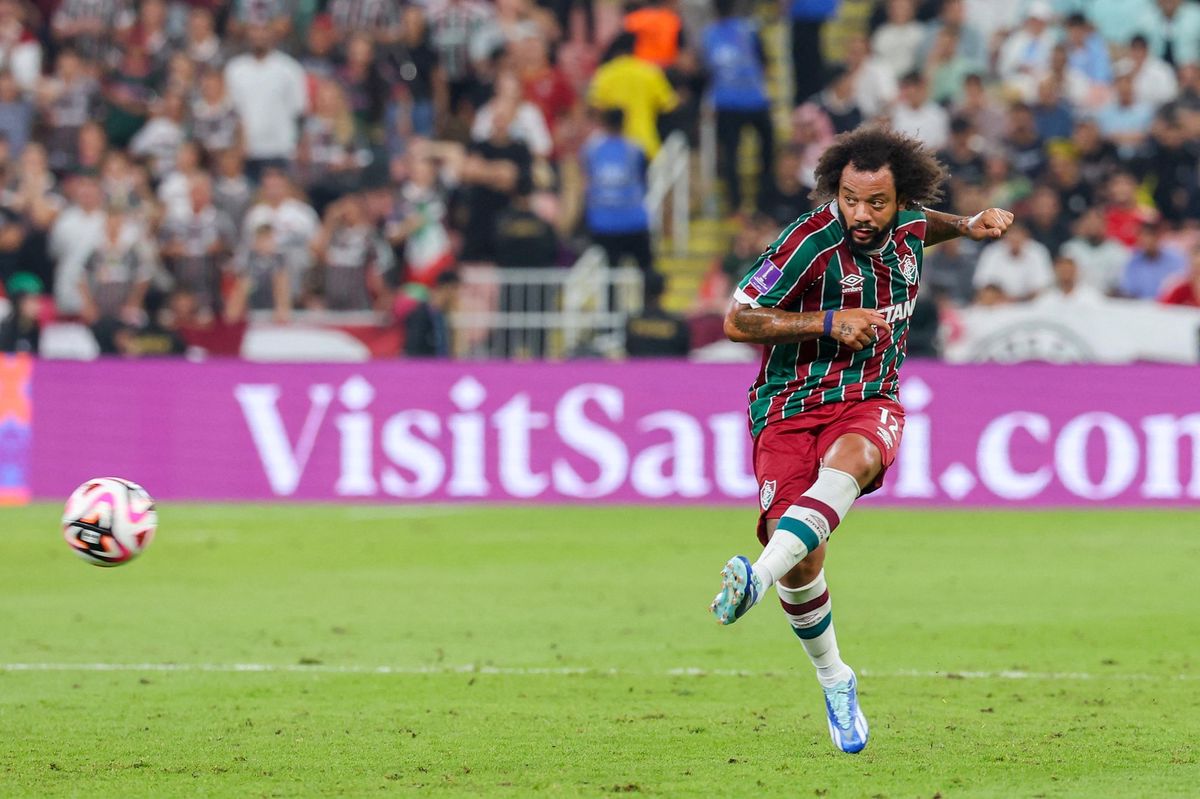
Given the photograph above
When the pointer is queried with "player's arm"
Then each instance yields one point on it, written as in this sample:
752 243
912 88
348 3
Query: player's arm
989 224
855 328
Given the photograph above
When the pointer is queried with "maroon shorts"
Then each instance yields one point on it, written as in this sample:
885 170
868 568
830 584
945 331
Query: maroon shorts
788 453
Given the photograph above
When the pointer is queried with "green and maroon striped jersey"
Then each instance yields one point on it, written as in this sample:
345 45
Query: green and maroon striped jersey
811 267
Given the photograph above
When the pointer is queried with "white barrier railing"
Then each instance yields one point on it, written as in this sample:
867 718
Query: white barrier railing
670 175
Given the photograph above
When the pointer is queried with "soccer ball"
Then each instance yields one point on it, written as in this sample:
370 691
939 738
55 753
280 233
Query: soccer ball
109 521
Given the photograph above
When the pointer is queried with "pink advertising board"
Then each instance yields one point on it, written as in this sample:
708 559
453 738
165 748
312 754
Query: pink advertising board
592 432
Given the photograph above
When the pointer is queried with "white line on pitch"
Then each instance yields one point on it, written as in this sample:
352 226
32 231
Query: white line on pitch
323 668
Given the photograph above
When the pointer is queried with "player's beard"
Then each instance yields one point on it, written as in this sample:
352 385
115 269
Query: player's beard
875 243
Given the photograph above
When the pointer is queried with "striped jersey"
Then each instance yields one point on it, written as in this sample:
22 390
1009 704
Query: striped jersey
811 267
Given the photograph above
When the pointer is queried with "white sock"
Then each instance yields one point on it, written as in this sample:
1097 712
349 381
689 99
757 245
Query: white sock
807 524
810 613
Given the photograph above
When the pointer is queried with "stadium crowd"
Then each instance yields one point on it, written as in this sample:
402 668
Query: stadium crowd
171 168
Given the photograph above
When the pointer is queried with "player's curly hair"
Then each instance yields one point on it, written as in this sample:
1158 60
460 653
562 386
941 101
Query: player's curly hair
917 172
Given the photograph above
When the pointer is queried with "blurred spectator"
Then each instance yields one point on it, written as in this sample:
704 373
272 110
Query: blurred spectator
1154 82
656 333
214 120
196 245
898 40
272 17
986 116
1052 116
128 90
545 85
1023 145
1065 177
875 87
454 25
1124 121
1152 264
350 260
412 70
615 213
1100 259
1068 286
812 134
953 17
1173 29
839 102
961 155
332 151
319 56
20 50
1123 216
126 188
1117 20
786 198
87 25
636 87
808 17
76 232
1019 267
232 190
31 192
418 225
1027 51
379 19
160 138
363 81
733 56
427 330
1085 50
1097 157
268 90
67 100
294 221
1186 289
495 171
262 278
923 329
658 32
114 281
1045 219
1171 163
523 239
950 270
201 43
16 114
918 116
527 125
946 68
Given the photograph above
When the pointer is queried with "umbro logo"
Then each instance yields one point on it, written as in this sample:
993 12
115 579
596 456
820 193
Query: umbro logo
852 284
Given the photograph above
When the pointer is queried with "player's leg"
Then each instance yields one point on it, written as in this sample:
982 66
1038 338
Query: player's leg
851 464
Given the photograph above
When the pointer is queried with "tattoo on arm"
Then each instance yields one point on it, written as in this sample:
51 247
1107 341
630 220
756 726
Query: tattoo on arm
941 227
771 325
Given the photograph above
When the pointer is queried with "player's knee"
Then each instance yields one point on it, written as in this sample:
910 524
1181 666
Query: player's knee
857 456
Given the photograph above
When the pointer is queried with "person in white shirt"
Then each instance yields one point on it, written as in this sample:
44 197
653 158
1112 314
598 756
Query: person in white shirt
528 123
1100 259
897 41
1017 266
918 116
1154 81
1068 287
270 93
874 84
76 232
1028 49
293 221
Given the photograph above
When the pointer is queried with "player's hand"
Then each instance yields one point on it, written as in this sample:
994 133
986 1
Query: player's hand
989 224
858 327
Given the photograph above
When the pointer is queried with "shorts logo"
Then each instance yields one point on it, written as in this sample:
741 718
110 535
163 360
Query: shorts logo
886 435
908 267
852 284
765 277
767 494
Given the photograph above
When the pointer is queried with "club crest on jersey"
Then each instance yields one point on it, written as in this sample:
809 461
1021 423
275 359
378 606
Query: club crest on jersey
767 494
908 267
852 284
764 278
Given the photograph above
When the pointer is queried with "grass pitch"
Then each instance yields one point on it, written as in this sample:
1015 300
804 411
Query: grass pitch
519 652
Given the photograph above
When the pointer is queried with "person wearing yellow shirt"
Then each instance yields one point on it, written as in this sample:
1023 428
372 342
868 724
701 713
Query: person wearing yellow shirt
638 88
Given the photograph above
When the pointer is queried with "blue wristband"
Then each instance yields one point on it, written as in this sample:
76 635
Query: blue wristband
828 322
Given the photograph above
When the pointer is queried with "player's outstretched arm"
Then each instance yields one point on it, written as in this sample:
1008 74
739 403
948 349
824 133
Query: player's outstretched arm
855 328
985 225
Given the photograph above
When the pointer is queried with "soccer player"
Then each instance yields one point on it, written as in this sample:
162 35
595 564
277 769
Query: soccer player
829 301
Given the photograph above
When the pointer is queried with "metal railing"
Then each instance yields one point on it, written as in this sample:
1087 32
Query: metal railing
547 312
669 175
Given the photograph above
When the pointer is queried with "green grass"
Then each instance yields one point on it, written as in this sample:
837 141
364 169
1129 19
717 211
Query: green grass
923 603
